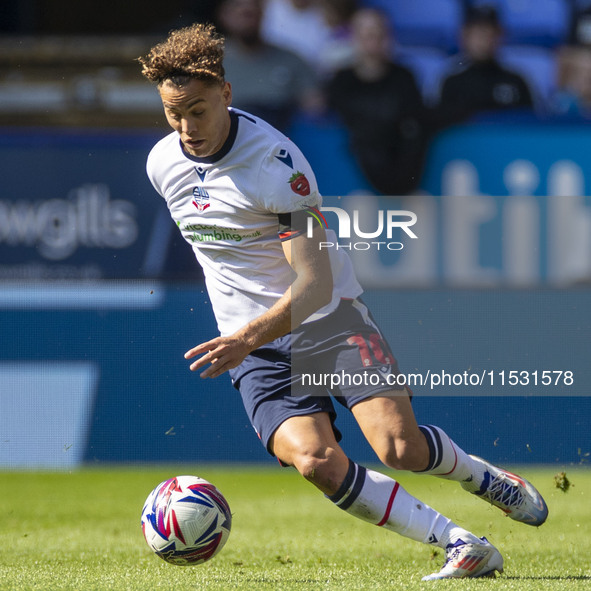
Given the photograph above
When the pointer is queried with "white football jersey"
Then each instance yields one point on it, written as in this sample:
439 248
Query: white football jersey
227 205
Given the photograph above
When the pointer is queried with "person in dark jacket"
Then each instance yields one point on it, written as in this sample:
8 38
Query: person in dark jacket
480 82
381 106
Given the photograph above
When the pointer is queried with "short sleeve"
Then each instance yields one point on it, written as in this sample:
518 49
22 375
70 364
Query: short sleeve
150 170
157 162
286 181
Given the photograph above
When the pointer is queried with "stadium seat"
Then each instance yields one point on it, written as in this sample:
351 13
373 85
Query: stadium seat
428 64
537 22
432 23
537 65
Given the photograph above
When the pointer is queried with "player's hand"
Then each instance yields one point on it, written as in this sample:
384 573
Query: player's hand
223 353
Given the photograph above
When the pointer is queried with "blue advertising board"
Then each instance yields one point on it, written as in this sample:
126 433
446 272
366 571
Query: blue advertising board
511 158
540 219
467 240
494 274
106 381
502 206
78 205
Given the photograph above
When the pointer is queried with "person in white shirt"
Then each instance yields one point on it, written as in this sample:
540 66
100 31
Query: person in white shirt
297 25
243 195
269 80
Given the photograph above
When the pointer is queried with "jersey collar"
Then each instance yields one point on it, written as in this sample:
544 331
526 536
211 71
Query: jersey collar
226 147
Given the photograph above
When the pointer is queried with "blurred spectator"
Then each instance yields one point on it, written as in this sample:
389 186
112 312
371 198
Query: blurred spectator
481 84
338 50
573 97
296 25
381 106
581 26
267 81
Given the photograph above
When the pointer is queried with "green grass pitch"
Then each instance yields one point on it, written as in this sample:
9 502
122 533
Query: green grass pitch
80 531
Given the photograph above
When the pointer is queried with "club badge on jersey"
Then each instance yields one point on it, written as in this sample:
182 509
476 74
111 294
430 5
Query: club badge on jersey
200 198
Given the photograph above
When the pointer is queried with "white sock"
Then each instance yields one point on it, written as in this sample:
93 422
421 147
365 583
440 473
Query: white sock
377 498
446 459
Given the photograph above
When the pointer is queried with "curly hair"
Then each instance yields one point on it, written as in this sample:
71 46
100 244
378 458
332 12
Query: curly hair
195 52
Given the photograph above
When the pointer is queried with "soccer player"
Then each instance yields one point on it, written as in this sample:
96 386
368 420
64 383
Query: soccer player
242 194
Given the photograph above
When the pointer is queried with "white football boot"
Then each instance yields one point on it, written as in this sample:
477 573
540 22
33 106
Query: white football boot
474 559
512 494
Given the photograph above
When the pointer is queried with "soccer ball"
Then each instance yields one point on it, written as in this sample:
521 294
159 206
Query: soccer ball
186 520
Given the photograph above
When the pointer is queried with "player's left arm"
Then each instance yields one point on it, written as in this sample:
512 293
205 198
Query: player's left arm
310 291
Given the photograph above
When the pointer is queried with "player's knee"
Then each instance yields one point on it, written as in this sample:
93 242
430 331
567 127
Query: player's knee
317 467
311 465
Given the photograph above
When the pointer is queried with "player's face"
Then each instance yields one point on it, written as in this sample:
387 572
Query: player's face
198 112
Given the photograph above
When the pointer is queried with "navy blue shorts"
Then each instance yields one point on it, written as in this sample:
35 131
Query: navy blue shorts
342 356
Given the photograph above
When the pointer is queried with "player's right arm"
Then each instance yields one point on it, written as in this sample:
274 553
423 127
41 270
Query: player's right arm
313 286
310 291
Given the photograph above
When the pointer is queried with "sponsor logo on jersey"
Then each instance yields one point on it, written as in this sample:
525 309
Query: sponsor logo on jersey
200 198
299 183
212 233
